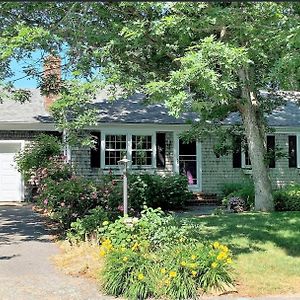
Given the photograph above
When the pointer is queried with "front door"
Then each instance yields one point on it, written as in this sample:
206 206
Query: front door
189 164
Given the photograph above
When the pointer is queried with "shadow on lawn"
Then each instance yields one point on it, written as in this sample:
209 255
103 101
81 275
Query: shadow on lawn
280 228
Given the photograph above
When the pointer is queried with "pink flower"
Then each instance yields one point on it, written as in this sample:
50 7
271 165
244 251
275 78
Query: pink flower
62 204
46 201
121 207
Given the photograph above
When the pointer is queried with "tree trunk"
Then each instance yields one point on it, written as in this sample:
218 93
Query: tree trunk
255 134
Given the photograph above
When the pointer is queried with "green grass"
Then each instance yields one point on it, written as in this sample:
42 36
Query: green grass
266 247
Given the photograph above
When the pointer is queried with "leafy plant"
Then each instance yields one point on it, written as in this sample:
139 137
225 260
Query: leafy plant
36 155
168 192
85 228
288 198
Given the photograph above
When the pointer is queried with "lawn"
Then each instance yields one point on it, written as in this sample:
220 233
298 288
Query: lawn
266 248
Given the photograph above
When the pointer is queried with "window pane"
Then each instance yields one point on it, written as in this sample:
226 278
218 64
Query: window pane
160 150
292 151
271 150
115 149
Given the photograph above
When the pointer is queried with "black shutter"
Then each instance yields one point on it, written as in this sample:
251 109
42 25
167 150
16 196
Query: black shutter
271 150
292 151
237 152
96 150
160 150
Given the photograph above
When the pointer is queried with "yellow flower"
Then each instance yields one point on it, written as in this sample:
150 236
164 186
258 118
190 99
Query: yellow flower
141 276
229 260
102 252
163 271
123 249
194 273
193 266
125 258
105 223
224 248
135 246
183 263
167 282
172 274
216 245
193 257
222 255
214 265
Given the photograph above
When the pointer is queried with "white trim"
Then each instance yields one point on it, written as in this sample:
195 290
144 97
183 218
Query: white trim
22 145
196 187
124 131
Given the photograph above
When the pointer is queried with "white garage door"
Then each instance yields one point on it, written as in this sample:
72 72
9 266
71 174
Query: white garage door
10 178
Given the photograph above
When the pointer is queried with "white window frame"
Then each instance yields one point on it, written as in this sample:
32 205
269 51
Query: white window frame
116 131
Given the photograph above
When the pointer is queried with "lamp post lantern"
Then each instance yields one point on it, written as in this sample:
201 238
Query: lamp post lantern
123 165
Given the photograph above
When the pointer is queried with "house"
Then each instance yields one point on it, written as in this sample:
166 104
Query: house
150 139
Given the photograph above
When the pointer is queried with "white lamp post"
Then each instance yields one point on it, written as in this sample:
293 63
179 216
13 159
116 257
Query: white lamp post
123 165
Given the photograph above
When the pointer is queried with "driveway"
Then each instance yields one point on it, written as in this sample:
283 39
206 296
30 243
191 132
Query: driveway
26 272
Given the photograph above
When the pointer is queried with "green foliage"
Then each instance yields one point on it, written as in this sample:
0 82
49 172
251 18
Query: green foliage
168 192
287 198
67 200
153 230
86 228
36 154
144 258
243 190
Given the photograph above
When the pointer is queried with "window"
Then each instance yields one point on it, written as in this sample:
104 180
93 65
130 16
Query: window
160 150
96 150
292 151
141 150
271 150
115 149
237 152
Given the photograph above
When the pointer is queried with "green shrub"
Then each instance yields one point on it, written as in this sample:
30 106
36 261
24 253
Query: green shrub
243 190
287 198
67 200
168 192
36 155
86 228
153 229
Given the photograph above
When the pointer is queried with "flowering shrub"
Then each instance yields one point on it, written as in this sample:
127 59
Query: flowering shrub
241 190
178 272
142 261
67 200
153 229
236 204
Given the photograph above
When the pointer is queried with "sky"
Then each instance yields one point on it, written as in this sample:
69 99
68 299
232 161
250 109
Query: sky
24 82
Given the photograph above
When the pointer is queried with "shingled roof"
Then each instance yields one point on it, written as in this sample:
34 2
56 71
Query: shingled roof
133 110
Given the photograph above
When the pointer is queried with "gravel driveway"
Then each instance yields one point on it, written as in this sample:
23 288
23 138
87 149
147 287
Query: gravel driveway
26 272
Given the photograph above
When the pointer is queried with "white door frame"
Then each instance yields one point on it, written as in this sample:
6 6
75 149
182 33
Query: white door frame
197 187
22 144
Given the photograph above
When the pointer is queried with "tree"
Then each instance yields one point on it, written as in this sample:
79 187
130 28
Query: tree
212 58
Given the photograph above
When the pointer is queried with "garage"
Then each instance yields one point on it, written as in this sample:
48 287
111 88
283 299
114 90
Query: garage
11 185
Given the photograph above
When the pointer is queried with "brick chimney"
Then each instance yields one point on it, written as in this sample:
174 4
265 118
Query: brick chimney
52 68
